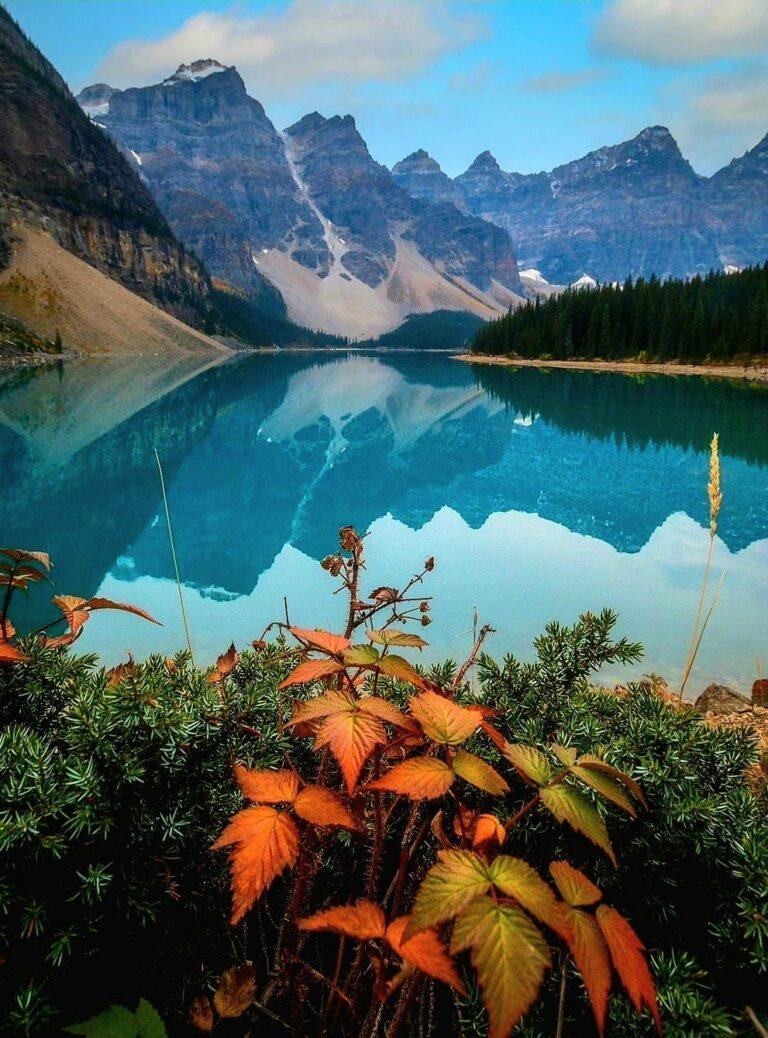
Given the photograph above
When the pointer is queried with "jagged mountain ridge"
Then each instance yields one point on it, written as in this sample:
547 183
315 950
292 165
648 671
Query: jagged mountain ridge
349 249
60 174
635 208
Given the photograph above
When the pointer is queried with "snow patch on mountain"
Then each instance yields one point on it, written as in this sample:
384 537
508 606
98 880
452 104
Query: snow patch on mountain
195 71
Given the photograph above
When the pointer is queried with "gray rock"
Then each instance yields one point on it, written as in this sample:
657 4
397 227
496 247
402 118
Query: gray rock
719 699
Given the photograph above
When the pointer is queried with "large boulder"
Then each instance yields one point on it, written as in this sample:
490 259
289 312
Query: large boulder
719 699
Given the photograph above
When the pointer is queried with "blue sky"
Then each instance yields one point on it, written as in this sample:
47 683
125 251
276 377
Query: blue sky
538 82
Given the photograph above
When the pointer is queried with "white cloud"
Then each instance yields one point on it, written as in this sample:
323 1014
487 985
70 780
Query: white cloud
681 32
722 116
308 43
562 82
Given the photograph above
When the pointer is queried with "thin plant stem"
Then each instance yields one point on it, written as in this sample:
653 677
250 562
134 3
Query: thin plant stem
561 1003
175 559
697 645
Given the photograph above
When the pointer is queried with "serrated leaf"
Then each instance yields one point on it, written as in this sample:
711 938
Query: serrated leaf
93 604
10 654
236 991
403 639
360 656
322 806
148 1020
606 786
519 880
201 1014
351 735
474 770
575 888
509 955
321 706
225 664
529 762
443 720
565 754
383 709
264 843
590 954
362 921
420 778
597 764
268 787
21 554
426 952
115 1022
628 958
457 878
567 804
333 644
397 667
311 670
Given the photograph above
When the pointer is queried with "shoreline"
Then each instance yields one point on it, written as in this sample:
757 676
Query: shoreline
748 373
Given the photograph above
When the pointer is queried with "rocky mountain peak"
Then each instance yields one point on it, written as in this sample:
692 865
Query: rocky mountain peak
195 71
484 163
421 176
94 100
417 162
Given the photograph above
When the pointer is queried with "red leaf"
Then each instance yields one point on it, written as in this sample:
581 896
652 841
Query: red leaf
628 957
311 670
363 921
332 644
425 951
265 843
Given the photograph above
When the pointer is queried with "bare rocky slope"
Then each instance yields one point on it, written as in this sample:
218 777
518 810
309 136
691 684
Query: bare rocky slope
636 208
61 175
309 210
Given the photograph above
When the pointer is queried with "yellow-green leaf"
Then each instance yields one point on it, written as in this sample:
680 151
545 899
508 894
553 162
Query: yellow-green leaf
403 639
575 888
397 667
565 754
473 769
567 804
457 878
529 762
519 880
509 955
606 786
361 656
598 764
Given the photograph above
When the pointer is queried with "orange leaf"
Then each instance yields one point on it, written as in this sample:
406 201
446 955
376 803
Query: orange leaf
575 888
628 957
266 842
10 654
20 554
225 664
311 670
382 708
268 787
474 770
443 720
322 806
488 831
420 778
236 991
397 667
76 620
201 1014
425 951
332 644
118 674
330 702
351 735
363 921
589 951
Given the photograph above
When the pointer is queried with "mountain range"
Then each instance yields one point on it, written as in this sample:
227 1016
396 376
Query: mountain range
350 251
632 209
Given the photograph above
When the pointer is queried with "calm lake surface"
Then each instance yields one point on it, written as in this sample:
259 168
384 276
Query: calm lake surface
541 495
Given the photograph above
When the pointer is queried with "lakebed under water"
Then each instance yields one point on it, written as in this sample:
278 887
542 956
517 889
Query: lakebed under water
542 494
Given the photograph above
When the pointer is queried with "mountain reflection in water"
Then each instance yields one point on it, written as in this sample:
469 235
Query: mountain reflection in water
542 494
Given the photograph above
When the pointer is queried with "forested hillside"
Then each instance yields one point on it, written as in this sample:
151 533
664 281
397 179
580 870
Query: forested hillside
718 317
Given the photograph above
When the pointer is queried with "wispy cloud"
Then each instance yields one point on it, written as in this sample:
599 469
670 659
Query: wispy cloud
682 32
563 82
309 43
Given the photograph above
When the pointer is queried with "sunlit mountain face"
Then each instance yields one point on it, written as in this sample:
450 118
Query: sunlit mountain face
542 494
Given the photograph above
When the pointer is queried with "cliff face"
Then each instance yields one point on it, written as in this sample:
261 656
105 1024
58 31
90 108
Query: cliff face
61 173
308 209
636 208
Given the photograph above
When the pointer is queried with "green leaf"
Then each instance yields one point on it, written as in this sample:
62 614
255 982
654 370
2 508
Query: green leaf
115 1022
509 955
457 878
148 1019
473 769
361 656
606 786
390 636
529 762
567 804
519 880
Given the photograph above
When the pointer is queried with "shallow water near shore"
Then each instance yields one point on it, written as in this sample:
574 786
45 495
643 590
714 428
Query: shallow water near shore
541 493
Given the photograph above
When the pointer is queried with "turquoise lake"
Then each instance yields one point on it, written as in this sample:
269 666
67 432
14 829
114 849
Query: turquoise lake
541 494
